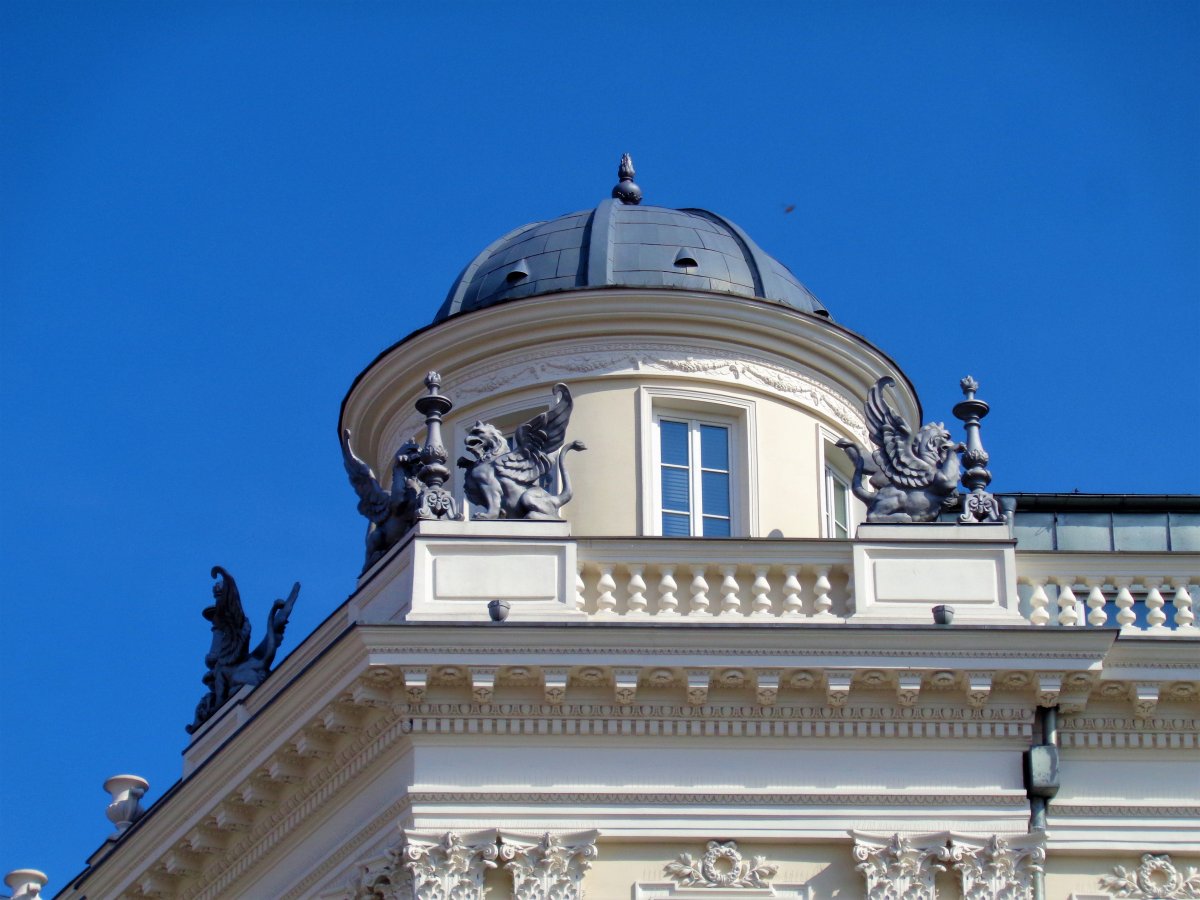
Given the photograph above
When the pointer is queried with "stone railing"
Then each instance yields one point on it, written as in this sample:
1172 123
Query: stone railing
1152 593
813 581
721 579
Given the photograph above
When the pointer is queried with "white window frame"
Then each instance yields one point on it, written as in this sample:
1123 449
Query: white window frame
834 480
835 468
704 407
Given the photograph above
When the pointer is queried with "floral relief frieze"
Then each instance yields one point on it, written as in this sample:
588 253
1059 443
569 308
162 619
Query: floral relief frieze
615 358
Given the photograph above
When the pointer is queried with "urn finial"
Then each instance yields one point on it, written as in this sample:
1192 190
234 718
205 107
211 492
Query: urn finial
978 505
626 191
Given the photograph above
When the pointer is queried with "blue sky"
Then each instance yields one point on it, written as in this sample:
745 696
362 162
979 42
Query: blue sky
214 215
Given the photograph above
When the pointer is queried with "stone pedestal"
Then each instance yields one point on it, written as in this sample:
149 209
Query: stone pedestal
452 570
902 571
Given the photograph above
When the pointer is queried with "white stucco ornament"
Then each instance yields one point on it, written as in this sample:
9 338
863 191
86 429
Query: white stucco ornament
998 867
551 869
1155 879
901 868
422 869
721 866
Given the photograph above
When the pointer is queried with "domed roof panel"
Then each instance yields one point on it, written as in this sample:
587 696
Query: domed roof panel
619 244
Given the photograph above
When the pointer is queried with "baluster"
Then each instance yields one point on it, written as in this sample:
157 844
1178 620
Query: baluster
793 603
1039 604
699 593
1095 602
668 603
761 589
1155 617
580 600
606 603
821 587
1068 605
1125 616
731 604
637 592
1184 616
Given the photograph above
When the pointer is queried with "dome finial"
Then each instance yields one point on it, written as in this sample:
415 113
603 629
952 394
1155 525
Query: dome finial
626 191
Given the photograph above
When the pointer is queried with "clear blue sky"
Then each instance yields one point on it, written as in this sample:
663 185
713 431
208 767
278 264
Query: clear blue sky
214 215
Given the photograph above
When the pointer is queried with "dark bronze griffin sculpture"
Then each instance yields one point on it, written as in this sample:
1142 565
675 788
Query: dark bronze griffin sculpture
509 483
391 513
231 664
912 476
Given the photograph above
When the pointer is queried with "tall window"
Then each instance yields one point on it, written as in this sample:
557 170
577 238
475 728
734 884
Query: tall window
694 466
837 505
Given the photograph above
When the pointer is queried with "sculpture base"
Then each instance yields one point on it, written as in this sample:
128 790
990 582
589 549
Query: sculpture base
902 571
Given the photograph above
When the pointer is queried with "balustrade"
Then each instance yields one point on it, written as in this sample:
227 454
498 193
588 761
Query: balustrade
1151 594
637 579
812 581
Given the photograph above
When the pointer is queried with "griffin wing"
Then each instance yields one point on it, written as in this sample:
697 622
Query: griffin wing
897 456
536 440
373 500
228 615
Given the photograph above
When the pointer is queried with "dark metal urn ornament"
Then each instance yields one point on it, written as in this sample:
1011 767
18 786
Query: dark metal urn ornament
231 664
978 505
419 474
511 483
626 191
912 476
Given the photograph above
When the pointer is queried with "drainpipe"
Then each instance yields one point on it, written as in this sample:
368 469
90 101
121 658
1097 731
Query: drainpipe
1041 781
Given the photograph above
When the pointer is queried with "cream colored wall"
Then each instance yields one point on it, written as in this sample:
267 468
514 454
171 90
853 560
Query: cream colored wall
613 478
827 870
1078 876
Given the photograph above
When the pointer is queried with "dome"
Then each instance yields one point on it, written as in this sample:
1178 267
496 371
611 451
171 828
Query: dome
622 244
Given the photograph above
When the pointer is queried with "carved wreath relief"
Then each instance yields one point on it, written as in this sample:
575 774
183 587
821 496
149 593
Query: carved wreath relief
721 866
1156 878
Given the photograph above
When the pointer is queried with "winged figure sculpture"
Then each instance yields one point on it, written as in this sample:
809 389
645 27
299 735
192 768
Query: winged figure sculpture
231 665
510 482
391 513
912 477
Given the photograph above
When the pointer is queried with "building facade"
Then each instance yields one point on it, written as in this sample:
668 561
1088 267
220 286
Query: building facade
707 675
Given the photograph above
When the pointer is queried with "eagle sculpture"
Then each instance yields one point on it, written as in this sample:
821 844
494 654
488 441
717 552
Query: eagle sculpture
912 476
509 483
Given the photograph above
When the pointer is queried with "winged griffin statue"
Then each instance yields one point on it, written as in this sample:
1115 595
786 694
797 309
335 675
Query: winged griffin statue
912 476
393 512
231 664
510 482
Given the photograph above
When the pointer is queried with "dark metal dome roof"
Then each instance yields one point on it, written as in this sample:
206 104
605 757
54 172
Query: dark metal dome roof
619 244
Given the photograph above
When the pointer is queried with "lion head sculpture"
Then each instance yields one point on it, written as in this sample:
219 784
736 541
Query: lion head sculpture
484 441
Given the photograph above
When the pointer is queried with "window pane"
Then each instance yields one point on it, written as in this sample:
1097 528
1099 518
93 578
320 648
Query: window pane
674 437
675 489
676 525
714 447
841 511
716 527
714 488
